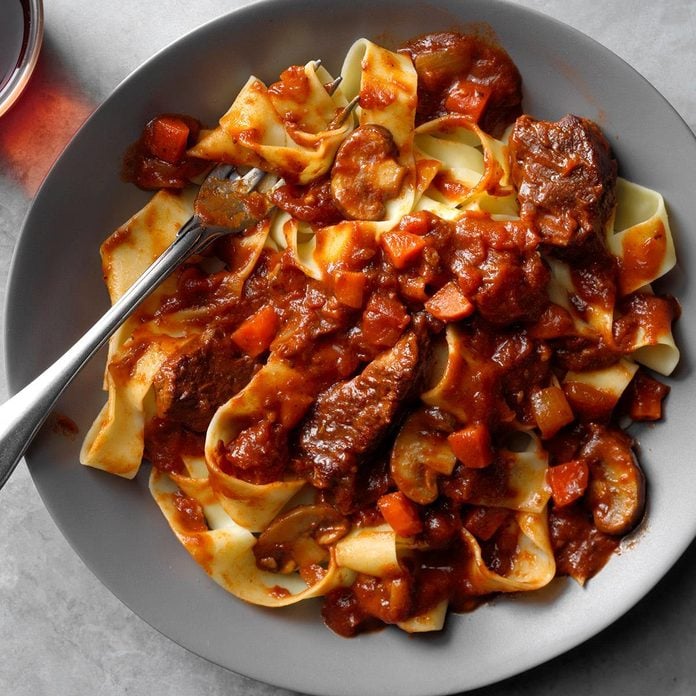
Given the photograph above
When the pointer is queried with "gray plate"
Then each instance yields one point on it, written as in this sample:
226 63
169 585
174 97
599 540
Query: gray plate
56 292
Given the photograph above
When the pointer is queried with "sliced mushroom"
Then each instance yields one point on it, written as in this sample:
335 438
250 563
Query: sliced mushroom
420 452
617 486
366 174
299 538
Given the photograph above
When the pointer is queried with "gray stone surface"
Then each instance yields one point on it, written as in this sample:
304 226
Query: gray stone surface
61 631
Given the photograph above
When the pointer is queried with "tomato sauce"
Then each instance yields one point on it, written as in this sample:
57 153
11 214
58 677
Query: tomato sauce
158 158
450 65
363 342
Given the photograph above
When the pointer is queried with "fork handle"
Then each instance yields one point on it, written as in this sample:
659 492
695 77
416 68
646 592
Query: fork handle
23 414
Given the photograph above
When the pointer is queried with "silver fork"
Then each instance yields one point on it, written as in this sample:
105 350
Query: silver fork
23 414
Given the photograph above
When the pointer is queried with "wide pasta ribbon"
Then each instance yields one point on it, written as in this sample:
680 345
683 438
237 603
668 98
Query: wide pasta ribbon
115 440
640 236
224 549
288 133
473 170
254 505
227 504
386 83
137 351
533 565
135 245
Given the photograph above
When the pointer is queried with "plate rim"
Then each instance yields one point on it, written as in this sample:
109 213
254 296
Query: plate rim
14 282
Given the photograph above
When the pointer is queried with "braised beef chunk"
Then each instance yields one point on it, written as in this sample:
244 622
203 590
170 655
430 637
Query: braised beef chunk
309 314
349 420
579 353
500 266
310 203
199 377
465 74
565 174
513 287
580 549
258 454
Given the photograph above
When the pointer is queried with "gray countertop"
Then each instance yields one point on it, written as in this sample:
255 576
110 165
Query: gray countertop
61 631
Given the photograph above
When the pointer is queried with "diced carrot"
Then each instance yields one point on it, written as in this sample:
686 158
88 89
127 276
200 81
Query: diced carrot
254 335
645 395
417 223
449 303
402 248
349 288
568 481
472 446
484 522
468 98
400 513
166 137
551 410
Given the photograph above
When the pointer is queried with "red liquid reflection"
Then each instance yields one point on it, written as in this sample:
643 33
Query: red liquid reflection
40 124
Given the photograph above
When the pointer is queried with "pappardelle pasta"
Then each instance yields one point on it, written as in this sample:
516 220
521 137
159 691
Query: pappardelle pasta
402 387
